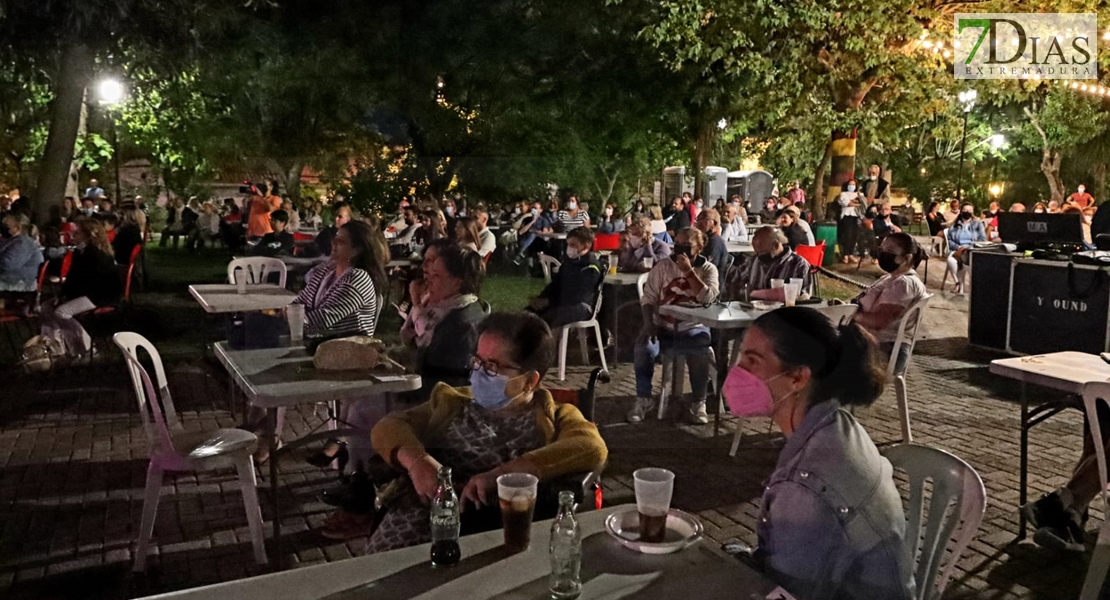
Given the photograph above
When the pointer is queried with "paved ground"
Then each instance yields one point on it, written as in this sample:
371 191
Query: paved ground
72 466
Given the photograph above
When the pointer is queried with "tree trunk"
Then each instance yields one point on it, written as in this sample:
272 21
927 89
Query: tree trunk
293 181
702 147
65 119
1050 166
72 187
817 201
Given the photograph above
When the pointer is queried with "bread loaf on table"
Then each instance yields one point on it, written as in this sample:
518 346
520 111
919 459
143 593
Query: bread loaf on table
350 353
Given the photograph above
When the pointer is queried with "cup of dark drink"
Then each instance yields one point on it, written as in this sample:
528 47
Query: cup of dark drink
653 501
516 493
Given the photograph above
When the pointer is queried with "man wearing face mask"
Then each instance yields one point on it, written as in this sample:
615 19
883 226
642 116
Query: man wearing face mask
572 293
875 188
773 260
686 277
847 226
1081 198
966 231
504 422
638 246
709 222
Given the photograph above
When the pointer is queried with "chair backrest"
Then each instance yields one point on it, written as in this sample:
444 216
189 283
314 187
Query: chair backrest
257 269
67 263
607 241
1093 392
487 308
600 292
814 255
908 329
640 283
955 509
550 265
839 314
729 261
940 244
135 252
160 403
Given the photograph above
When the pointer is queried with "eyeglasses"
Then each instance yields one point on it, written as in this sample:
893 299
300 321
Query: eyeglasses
490 367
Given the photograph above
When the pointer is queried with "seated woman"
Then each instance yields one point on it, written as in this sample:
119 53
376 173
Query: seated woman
468 233
129 233
20 256
789 224
658 226
504 422
441 327
572 293
961 235
341 298
610 221
831 495
881 307
93 282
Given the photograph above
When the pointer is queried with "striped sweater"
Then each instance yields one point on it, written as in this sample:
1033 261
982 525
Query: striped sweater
349 303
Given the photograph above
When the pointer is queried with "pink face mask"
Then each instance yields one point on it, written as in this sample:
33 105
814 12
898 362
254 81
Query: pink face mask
747 395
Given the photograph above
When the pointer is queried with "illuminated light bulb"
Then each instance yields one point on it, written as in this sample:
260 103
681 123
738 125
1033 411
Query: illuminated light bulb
927 44
947 54
1083 88
1106 36
956 44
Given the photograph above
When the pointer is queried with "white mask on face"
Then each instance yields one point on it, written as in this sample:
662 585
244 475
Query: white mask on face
572 252
1082 189
572 205
516 211
1087 219
608 212
700 204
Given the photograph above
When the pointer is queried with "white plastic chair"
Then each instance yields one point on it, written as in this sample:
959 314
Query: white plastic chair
674 373
908 328
955 509
175 450
837 315
549 265
1096 573
581 327
257 269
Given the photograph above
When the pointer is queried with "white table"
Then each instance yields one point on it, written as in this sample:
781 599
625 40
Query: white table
552 235
277 378
1065 372
739 247
219 298
487 570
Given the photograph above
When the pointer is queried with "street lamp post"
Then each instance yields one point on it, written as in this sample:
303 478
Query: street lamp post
967 98
111 92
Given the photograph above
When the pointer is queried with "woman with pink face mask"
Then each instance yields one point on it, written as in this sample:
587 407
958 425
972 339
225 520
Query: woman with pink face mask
831 495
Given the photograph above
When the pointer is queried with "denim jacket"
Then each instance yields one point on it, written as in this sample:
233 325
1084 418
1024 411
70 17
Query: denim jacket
832 523
965 234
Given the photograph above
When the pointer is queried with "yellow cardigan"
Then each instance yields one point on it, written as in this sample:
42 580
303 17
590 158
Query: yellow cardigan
571 443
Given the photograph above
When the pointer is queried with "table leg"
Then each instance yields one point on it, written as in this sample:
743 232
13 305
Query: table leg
275 506
722 372
616 323
1023 469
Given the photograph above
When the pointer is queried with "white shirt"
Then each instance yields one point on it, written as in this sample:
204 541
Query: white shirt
844 199
901 290
488 242
735 231
809 232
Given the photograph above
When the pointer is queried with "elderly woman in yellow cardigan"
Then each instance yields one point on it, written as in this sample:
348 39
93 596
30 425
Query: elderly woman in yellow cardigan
503 423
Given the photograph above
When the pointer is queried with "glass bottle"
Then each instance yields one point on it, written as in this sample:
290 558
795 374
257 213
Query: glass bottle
445 522
566 551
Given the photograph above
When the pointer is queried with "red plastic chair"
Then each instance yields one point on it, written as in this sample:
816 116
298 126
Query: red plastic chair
607 241
67 262
815 256
302 237
111 233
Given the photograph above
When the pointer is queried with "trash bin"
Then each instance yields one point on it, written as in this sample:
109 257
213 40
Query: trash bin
826 230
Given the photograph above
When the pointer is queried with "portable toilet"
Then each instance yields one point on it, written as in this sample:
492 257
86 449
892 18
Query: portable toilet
716 184
753 187
675 183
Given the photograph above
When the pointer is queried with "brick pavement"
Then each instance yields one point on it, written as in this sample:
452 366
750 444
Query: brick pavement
72 466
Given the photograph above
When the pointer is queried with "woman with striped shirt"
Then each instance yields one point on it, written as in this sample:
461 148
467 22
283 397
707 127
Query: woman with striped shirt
341 295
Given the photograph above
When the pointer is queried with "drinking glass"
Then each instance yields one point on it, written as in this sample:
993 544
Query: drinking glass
517 495
294 315
790 292
653 500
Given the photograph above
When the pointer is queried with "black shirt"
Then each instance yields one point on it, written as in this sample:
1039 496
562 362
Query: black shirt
680 219
576 282
127 237
95 275
323 240
276 244
716 252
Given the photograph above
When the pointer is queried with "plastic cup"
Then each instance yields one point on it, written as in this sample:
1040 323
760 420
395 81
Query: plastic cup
649 262
241 281
653 500
294 315
777 283
516 493
790 293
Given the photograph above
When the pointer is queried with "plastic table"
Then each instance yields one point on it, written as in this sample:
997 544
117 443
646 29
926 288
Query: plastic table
217 298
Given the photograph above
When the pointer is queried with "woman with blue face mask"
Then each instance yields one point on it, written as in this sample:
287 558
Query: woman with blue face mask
832 523
504 422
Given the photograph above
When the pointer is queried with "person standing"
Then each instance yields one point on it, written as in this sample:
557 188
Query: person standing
875 188
1081 198
94 190
847 227
796 194
262 204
